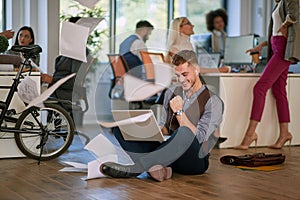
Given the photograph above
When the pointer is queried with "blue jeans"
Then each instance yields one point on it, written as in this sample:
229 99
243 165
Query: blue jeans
181 152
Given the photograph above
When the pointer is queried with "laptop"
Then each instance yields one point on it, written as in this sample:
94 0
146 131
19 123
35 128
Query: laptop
209 60
141 131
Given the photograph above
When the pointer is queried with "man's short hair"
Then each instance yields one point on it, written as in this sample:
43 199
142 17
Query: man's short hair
144 23
184 56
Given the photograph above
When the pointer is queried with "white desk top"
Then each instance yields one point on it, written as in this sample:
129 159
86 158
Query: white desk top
14 73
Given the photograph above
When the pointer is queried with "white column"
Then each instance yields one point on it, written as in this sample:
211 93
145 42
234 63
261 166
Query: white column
48 23
234 17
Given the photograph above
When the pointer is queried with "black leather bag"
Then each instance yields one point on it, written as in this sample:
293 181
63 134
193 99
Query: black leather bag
253 160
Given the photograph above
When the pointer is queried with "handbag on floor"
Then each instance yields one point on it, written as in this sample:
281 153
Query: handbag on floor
253 160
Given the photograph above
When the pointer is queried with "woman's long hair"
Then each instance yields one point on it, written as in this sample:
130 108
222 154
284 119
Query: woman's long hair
25 28
173 32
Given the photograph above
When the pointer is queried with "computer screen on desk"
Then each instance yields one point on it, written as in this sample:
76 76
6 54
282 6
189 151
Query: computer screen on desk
209 60
235 48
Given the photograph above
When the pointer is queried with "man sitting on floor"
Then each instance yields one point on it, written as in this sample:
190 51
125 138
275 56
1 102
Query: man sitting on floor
191 114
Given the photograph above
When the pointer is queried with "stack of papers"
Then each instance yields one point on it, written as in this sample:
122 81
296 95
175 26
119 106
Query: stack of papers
104 151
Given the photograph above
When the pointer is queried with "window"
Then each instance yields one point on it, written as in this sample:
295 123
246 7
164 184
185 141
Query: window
68 8
2 15
129 12
196 10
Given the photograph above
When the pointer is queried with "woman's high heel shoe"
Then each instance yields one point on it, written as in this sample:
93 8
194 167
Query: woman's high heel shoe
247 141
281 141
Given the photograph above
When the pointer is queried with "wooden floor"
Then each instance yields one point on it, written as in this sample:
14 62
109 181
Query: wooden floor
22 178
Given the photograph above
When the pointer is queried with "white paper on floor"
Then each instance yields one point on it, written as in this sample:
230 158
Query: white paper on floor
104 151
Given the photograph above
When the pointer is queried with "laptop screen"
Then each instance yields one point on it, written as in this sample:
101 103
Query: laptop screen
209 60
147 130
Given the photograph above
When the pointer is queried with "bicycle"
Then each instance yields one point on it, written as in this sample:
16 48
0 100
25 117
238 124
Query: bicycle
40 133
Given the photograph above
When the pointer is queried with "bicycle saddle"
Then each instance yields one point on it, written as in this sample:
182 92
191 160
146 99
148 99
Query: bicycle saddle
28 51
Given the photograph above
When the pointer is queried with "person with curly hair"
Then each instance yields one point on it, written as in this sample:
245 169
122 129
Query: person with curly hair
216 22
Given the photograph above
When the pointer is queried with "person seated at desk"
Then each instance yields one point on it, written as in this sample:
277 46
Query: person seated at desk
179 39
192 133
216 22
25 36
130 48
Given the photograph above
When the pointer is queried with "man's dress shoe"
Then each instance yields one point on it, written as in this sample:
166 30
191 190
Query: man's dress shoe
220 140
117 170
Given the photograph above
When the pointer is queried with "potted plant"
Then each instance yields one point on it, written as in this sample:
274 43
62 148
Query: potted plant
3 44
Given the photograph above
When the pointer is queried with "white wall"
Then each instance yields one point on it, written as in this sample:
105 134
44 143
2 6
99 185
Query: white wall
246 17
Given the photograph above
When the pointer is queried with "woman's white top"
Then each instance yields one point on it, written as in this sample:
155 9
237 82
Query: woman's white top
277 22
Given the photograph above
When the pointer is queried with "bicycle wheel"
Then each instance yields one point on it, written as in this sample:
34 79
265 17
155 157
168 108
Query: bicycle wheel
45 133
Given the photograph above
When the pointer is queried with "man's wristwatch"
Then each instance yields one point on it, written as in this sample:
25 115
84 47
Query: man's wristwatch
178 112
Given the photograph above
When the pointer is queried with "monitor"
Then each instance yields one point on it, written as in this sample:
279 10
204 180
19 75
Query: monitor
209 60
235 50
201 42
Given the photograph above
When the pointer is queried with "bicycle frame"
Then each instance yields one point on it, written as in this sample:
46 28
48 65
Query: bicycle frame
12 89
36 138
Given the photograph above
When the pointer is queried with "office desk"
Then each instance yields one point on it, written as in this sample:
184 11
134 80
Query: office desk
235 89
8 147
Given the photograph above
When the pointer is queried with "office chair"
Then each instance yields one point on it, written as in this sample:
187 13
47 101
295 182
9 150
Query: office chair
76 102
81 104
149 59
119 68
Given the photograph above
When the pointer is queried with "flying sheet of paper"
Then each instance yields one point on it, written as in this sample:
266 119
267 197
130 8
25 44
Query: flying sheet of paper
138 90
132 120
27 90
89 22
106 147
163 74
88 3
46 94
73 41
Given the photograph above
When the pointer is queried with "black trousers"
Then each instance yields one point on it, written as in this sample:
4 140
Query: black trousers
182 151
